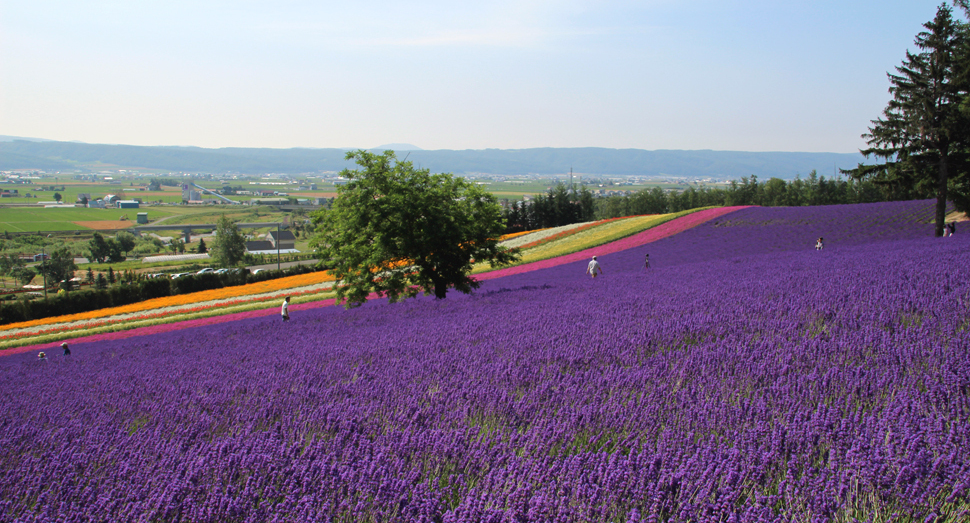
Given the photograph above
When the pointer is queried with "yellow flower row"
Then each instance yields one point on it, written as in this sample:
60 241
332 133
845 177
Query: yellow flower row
289 282
584 239
592 237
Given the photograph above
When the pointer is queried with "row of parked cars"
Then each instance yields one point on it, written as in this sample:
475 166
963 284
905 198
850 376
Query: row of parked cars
203 271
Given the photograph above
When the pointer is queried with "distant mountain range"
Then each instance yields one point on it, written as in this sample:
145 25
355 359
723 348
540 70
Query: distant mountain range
52 155
398 147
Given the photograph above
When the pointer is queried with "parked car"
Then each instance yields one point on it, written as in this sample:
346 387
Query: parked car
221 271
207 269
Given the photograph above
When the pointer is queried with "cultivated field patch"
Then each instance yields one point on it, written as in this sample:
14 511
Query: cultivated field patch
106 224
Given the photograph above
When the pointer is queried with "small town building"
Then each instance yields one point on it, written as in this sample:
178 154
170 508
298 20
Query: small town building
260 247
282 239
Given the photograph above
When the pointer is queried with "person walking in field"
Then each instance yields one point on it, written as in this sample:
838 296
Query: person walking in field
67 350
646 261
818 244
285 311
593 267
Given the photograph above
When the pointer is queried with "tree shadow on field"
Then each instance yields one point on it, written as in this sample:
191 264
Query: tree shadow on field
504 290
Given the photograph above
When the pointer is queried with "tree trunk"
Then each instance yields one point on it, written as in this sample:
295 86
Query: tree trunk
941 195
440 285
440 289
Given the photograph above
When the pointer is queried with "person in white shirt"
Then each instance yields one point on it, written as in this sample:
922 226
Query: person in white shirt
593 267
286 309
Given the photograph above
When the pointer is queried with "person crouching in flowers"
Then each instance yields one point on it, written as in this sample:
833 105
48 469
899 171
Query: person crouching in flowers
42 356
285 312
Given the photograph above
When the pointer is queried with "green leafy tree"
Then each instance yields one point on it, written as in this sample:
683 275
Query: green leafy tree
101 282
9 263
396 230
60 266
229 247
111 275
24 275
923 135
58 197
102 250
176 245
98 248
89 277
125 241
202 248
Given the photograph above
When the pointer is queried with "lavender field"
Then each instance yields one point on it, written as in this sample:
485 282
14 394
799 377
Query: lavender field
745 377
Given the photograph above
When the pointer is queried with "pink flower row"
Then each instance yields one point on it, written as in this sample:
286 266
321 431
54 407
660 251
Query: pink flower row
650 235
168 327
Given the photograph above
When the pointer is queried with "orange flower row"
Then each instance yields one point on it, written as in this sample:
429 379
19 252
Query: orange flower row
289 282
511 235
147 316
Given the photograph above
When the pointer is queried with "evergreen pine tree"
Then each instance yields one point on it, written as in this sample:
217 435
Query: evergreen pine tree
111 275
924 136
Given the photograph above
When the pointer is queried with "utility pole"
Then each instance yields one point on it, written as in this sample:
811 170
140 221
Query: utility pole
43 263
277 246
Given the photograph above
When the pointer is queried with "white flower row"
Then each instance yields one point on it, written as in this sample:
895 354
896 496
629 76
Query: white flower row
78 324
539 235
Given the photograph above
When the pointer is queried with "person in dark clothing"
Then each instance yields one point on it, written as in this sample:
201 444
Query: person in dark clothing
67 351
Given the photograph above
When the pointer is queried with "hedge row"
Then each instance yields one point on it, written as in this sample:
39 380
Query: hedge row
124 294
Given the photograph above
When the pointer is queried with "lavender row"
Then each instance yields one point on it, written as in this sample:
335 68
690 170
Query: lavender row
740 385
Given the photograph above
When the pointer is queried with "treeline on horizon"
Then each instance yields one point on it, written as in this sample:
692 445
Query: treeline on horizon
562 206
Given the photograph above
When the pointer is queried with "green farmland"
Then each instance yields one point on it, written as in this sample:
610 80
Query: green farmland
29 219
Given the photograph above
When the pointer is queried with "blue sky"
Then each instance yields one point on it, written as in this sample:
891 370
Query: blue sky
653 74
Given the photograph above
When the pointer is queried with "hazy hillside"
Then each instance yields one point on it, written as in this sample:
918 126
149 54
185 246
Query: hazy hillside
586 160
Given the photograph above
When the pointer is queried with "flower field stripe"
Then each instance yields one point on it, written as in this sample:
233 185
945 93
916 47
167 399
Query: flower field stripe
68 329
653 234
169 327
747 378
164 312
583 236
276 285
551 235
513 235
538 234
